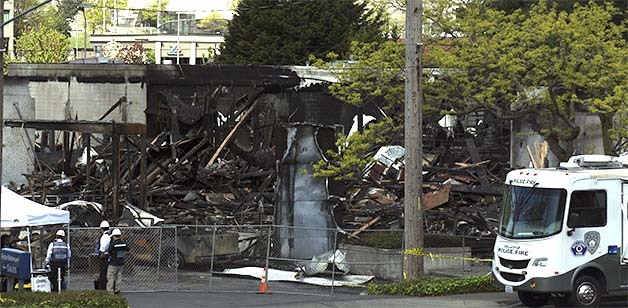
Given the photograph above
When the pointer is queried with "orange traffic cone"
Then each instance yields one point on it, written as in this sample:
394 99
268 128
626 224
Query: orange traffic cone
263 285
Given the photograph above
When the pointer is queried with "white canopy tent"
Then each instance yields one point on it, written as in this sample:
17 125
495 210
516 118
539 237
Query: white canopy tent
17 211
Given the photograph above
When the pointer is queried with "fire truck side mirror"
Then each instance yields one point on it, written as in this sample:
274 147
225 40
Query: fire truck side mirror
572 222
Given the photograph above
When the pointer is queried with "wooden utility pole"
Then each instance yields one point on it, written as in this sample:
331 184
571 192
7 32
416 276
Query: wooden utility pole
413 210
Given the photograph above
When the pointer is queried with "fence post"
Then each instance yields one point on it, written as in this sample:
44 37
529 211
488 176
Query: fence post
211 265
463 252
161 236
176 258
270 231
67 284
403 256
333 265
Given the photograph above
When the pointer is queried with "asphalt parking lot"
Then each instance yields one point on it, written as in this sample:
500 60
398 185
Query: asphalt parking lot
219 299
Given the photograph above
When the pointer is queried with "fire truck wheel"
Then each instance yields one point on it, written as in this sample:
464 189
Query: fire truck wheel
586 292
533 299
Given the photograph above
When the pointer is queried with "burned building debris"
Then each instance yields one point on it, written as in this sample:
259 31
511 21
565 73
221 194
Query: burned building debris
233 145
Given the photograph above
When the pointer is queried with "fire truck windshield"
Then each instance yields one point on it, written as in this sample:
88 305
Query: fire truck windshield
531 212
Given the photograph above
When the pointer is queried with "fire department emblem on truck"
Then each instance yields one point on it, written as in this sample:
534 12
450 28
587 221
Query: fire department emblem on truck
592 239
579 248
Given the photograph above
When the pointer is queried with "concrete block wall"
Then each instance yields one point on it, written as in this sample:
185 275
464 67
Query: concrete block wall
55 100
17 156
58 100
387 263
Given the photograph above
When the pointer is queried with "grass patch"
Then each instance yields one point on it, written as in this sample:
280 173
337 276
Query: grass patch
393 240
435 286
67 299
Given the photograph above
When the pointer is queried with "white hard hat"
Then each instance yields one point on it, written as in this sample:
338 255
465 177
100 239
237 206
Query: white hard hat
61 233
116 231
104 224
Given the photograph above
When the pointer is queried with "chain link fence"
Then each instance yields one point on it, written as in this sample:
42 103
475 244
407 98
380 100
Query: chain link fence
212 258
150 266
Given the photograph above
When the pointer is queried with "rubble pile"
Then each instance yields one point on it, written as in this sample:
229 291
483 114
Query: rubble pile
196 173
217 164
182 189
462 188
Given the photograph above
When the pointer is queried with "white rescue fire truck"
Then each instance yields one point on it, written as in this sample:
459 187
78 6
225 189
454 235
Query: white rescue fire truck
563 232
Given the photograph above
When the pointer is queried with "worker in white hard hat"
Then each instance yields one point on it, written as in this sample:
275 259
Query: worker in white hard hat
102 248
57 259
117 254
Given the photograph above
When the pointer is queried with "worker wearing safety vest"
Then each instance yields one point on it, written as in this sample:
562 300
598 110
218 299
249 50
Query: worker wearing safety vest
57 258
117 253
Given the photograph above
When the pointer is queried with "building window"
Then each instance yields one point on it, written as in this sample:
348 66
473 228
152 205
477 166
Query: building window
587 208
6 15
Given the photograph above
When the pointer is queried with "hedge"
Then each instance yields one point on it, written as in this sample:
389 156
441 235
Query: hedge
393 240
435 286
67 299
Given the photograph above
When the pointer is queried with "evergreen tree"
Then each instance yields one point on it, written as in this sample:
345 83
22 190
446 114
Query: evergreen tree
287 32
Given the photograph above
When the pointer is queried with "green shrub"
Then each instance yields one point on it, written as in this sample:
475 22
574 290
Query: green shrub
67 299
383 239
393 240
432 286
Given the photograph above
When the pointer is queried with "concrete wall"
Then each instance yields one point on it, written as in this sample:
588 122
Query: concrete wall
590 139
525 134
17 156
387 263
57 100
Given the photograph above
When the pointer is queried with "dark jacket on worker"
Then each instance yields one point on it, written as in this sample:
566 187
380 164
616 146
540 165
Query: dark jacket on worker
117 252
58 252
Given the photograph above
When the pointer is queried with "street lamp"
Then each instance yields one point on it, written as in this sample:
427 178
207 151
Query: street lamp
81 8
178 36
4 23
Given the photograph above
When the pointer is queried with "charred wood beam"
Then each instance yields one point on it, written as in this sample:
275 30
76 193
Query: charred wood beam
87 138
93 127
113 107
66 153
143 171
479 190
475 158
235 128
115 151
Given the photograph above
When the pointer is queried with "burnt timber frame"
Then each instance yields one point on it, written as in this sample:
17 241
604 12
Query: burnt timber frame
115 130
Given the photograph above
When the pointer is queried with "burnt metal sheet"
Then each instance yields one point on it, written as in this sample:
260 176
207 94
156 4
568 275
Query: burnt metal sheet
293 276
303 198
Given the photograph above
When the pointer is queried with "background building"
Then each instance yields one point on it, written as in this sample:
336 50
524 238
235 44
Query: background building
181 34
8 29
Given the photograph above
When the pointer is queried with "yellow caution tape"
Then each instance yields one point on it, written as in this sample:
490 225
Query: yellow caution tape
422 253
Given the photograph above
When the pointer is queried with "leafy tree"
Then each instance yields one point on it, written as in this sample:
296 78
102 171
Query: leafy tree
213 22
376 75
544 62
148 17
43 45
50 16
287 32
560 5
356 151
128 54
95 16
